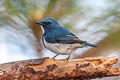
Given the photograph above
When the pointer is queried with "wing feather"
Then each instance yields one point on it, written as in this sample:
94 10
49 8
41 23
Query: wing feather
69 39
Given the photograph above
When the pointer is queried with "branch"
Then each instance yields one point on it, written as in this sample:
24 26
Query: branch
50 68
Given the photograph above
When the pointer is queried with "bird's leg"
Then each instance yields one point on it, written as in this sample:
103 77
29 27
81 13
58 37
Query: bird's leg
56 55
68 57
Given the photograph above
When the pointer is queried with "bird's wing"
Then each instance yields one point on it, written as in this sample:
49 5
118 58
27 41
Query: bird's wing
71 39
68 39
63 36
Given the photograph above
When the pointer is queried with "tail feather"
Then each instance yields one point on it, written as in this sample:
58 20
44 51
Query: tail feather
92 45
89 44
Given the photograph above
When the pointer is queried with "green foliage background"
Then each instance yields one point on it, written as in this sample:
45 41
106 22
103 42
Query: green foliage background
69 13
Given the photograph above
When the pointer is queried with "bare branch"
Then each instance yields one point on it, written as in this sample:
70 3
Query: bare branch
49 68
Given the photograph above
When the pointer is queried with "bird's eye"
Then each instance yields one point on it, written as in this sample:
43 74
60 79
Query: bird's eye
49 22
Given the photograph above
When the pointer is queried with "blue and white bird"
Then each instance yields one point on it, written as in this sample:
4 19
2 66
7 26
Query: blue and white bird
58 39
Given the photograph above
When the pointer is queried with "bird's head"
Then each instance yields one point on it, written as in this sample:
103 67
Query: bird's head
48 22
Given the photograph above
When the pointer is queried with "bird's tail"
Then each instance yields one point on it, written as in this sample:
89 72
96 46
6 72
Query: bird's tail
89 44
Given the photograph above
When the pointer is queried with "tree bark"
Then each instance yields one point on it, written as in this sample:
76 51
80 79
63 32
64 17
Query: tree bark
59 69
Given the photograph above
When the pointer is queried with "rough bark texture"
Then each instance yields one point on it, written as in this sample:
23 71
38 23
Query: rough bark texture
59 69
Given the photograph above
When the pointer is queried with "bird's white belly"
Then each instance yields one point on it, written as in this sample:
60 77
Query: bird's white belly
62 48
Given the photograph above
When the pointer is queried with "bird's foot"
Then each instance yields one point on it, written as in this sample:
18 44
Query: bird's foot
68 58
55 56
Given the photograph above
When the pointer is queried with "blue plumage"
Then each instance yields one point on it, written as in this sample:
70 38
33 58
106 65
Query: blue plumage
54 33
58 35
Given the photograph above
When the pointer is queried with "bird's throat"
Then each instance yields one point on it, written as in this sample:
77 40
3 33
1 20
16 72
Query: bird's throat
42 29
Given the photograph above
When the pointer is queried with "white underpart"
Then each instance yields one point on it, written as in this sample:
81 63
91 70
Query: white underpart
64 49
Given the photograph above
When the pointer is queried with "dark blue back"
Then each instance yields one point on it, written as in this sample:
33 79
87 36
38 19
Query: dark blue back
52 35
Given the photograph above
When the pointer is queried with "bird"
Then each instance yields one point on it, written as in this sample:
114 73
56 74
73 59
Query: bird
58 39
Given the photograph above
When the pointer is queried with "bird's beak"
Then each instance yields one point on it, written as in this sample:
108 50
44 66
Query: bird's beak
40 23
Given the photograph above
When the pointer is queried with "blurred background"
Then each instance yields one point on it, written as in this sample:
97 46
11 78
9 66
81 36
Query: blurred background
95 21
